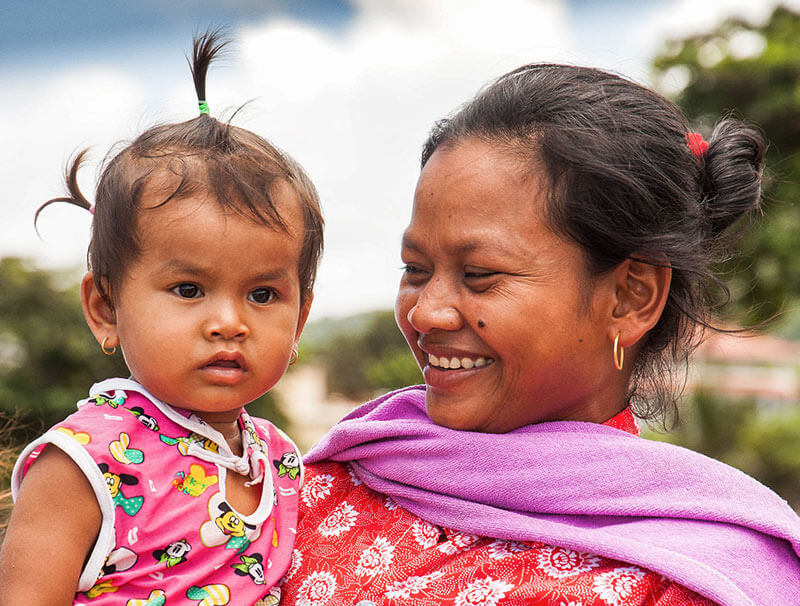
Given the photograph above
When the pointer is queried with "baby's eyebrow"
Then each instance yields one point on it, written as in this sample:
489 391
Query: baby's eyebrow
182 267
179 266
279 273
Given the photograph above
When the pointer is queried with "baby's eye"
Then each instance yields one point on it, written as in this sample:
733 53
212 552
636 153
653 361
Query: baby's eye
187 291
261 295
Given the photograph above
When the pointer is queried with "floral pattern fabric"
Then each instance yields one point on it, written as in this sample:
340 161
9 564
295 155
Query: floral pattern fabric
358 547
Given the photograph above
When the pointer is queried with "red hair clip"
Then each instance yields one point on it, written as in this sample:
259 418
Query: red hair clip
697 145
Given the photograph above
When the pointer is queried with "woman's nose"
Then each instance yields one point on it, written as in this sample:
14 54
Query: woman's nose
435 309
226 322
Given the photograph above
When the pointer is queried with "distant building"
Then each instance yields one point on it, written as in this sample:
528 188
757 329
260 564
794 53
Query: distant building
758 367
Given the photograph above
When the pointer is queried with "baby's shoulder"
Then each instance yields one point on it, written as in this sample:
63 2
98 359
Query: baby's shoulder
114 411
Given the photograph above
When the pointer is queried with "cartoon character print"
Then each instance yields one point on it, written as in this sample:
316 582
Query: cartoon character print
121 453
157 597
250 428
209 595
131 505
184 442
119 560
81 437
251 566
173 554
224 526
195 483
114 400
144 419
101 587
289 464
273 598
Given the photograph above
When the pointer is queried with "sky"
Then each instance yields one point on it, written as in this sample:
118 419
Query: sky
349 88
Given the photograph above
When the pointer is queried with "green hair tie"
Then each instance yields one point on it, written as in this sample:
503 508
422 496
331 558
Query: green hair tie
203 107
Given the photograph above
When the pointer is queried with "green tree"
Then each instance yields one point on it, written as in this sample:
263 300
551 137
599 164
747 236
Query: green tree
753 72
363 355
739 434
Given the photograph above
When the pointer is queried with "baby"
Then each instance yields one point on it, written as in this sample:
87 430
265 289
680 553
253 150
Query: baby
161 488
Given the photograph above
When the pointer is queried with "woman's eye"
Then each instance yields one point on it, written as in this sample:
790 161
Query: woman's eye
411 269
187 291
477 275
261 295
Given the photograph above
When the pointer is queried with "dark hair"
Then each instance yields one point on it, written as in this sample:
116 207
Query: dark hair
238 168
624 183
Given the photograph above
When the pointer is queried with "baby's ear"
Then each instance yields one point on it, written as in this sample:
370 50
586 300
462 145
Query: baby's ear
305 308
98 312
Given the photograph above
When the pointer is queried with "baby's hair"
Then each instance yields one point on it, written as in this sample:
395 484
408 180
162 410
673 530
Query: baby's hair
624 183
238 169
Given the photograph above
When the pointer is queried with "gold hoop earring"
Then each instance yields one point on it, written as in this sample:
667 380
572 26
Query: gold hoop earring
108 352
295 355
619 353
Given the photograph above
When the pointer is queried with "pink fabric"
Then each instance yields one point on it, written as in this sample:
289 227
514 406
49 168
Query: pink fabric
695 520
168 533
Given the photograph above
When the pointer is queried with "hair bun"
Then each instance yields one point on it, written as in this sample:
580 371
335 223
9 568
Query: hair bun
733 166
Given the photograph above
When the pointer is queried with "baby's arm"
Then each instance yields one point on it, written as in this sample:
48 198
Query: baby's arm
53 526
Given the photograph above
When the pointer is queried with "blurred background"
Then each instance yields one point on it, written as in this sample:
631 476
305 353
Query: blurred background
350 89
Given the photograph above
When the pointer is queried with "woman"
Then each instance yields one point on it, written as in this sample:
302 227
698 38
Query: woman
557 266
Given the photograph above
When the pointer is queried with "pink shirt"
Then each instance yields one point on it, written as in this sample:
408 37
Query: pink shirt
168 535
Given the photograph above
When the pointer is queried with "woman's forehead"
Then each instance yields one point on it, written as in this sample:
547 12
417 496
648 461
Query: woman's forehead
471 194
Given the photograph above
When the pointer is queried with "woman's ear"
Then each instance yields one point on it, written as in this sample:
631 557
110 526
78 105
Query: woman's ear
642 287
98 313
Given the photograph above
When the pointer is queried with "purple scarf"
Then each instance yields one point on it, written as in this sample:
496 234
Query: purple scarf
585 487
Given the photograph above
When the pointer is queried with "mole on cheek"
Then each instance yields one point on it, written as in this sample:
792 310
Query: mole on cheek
481 323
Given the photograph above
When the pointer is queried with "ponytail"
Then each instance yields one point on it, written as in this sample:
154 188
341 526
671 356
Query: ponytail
733 167
205 49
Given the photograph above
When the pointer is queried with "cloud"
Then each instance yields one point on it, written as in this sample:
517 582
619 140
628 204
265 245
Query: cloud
353 105
354 108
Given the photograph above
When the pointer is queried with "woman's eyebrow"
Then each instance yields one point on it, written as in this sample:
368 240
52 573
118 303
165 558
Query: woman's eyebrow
411 244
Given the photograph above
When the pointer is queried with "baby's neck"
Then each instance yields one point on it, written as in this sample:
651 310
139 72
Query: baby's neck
226 424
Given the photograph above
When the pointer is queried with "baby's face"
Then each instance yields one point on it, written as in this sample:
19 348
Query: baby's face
207 315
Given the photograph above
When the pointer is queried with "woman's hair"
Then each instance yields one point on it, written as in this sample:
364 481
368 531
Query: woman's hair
237 168
624 183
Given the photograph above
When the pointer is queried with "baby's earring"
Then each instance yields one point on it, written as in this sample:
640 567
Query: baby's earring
295 355
108 352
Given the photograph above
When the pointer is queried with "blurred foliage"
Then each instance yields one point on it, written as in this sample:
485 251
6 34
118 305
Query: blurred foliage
48 357
363 355
752 72
761 443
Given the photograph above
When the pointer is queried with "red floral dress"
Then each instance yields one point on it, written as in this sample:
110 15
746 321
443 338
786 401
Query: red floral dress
356 547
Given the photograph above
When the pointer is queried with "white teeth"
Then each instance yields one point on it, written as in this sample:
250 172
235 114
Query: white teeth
455 363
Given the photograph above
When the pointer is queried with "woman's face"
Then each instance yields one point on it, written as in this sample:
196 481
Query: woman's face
499 311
